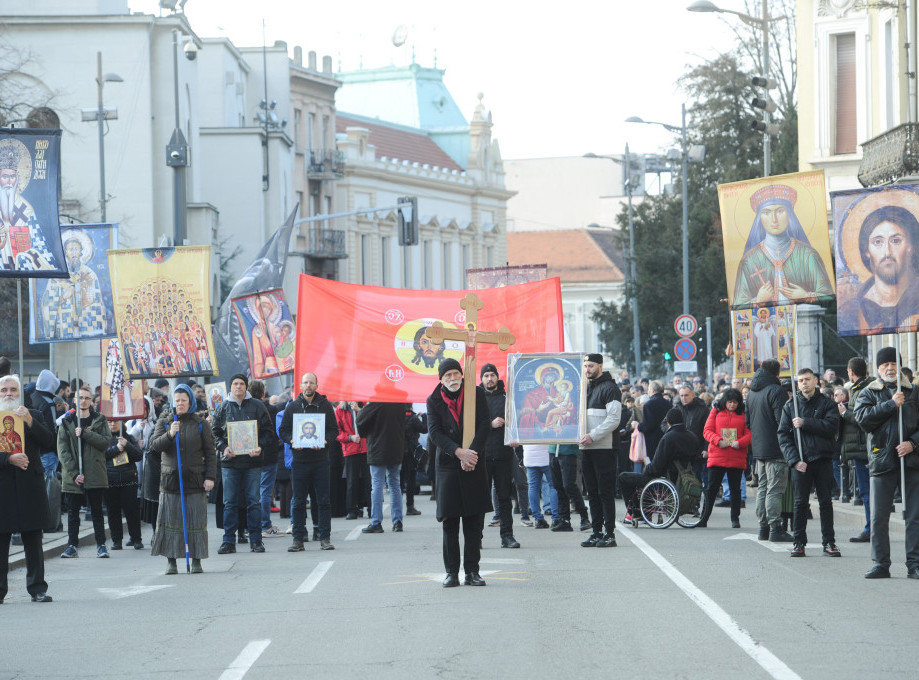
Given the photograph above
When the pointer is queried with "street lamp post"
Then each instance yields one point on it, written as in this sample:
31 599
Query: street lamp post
684 156
763 23
101 114
631 273
177 156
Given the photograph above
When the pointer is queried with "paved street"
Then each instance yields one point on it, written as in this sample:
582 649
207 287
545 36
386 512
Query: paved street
675 603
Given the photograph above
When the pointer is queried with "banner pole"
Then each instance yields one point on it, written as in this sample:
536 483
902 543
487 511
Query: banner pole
19 310
900 430
794 379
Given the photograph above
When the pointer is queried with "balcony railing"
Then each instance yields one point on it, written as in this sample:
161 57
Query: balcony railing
326 243
325 164
891 156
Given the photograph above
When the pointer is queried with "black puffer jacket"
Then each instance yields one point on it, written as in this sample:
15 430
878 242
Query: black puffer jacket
319 404
763 413
249 409
125 472
876 412
694 416
854 438
818 434
495 448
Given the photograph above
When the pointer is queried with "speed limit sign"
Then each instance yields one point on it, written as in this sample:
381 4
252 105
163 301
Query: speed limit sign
685 325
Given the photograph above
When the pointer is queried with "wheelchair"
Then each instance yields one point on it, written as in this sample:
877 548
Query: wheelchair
660 506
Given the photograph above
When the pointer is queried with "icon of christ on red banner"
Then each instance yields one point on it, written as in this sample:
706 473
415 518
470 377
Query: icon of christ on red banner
373 343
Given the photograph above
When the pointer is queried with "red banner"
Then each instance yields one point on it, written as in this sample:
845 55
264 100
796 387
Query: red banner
367 343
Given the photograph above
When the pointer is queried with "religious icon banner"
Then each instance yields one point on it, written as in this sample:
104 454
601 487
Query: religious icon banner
268 331
12 433
30 239
120 398
546 399
78 307
776 240
216 395
369 343
877 259
760 334
162 311
498 277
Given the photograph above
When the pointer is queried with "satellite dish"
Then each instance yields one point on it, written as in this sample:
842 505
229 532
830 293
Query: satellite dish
400 35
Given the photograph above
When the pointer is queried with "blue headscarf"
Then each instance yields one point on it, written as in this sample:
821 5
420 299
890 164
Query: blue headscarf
193 403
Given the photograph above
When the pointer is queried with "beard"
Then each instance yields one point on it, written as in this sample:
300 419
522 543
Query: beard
10 403
453 386
7 201
889 271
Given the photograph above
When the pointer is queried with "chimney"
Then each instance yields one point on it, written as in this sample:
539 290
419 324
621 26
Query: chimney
311 56
298 55
327 64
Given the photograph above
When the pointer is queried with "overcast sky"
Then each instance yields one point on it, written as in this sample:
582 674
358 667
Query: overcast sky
559 78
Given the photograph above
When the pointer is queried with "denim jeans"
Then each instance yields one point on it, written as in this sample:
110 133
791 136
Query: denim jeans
535 478
269 473
246 481
864 488
49 463
390 474
726 489
302 475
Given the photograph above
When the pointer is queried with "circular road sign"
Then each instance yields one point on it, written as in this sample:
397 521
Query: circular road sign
685 349
685 325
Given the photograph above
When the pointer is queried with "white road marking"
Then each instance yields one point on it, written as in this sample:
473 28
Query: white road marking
242 663
313 579
774 666
354 534
501 560
120 593
774 547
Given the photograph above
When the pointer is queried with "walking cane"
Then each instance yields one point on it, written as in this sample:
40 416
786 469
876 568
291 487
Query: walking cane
900 427
182 497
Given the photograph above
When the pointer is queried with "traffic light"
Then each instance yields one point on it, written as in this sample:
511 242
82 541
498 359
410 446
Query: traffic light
667 356
408 221
655 343
764 103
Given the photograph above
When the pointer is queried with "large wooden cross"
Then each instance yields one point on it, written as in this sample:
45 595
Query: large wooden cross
471 336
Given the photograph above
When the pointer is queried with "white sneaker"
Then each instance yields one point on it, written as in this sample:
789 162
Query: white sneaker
289 529
273 531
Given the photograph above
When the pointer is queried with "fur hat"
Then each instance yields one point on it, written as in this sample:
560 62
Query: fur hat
886 355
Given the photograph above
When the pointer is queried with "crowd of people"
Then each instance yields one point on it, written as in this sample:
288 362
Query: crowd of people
842 440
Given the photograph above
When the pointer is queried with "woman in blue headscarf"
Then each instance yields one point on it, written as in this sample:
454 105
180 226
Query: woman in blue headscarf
779 265
191 431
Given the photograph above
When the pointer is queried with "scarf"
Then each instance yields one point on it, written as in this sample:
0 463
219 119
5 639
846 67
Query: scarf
454 404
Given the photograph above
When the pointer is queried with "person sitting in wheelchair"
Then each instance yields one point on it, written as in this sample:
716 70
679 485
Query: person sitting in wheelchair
677 444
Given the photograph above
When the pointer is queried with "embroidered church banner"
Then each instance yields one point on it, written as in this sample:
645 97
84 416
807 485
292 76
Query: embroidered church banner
497 277
877 259
30 240
162 311
368 343
776 240
80 306
760 334
268 331
120 397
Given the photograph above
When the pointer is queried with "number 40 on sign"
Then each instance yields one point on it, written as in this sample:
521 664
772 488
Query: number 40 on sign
686 325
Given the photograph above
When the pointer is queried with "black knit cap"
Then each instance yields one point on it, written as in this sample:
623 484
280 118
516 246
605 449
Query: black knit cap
594 358
886 355
488 368
674 416
241 377
448 365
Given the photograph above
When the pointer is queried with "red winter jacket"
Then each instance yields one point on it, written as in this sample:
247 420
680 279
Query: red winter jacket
345 419
718 420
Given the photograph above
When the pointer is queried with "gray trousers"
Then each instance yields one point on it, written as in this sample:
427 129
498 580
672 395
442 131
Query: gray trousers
883 488
773 478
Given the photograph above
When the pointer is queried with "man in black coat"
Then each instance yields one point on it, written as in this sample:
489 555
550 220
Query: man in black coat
817 421
383 424
653 412
878 409
310 466
462 482
23 501
763 413
499 458
677 444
